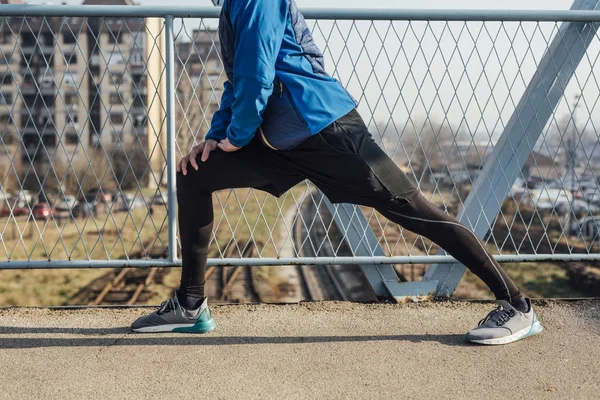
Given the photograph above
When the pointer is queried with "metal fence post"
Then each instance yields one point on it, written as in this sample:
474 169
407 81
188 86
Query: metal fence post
170 110
362 241
522 131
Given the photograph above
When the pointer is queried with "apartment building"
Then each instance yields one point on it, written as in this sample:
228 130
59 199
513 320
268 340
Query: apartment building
117 77
201 79
43 67
71 86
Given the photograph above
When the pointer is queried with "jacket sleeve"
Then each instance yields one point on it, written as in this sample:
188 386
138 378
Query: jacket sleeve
259 27
222 118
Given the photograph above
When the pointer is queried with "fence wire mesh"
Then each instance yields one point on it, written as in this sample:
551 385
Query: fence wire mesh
83 136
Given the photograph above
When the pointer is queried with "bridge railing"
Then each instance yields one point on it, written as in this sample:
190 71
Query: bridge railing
492 113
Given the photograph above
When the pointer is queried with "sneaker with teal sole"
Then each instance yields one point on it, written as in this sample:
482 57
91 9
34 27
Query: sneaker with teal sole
505 324
172 317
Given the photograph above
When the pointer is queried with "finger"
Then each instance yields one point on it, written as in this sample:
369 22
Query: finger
179 166
205 153
184 162
193 156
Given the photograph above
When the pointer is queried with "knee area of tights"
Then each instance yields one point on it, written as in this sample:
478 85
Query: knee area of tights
193 181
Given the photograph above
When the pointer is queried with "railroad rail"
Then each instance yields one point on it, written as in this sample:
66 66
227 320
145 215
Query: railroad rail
123 286
233 284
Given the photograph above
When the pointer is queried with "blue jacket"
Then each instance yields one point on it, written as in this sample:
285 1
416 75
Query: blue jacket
277 85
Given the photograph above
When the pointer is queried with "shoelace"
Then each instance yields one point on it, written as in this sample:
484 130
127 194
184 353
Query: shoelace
498 315
166 306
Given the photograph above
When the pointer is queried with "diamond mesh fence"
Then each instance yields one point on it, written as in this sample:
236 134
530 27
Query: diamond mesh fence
84 136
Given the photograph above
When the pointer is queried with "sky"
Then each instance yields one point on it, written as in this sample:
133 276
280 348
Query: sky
467 76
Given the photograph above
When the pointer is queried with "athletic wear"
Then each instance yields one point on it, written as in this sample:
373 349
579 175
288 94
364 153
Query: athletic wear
190 302
267 44
505 325
294 122
195 238
348 166
172 317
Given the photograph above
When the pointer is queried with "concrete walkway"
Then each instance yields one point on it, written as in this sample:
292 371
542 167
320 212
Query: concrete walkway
305 351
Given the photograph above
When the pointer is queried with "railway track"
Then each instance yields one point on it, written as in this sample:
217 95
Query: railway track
233 284
123 286
129 286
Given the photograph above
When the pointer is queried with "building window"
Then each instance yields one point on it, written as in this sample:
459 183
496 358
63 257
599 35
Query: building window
116 118
140 122
5 36
72 118
28 39
72 138
48 101
49 140
138 80
117 78
6 79
46 120
115 37
69 37
137 58
29 100
115 98
47 39
6 120
71 58
71 99
138 101
115 58
6 98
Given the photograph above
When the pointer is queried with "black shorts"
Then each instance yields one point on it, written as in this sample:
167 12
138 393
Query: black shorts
343 161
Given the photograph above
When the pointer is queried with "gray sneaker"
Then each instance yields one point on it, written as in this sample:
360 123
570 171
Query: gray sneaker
172 317
505 325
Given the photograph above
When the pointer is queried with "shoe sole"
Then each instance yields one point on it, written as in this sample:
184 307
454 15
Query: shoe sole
198 327
534 329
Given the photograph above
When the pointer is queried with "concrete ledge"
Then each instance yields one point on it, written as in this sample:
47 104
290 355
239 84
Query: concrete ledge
304 351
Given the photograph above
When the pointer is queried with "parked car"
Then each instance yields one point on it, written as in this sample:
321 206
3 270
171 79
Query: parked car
127 202
578 206
70 201
592 196
84 209
550 199
15 208
43 211
67 204
98 195
25 196
588 226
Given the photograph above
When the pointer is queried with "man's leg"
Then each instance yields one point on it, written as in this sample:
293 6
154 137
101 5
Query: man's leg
242 169
423 218
195 215
188 310
348 166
